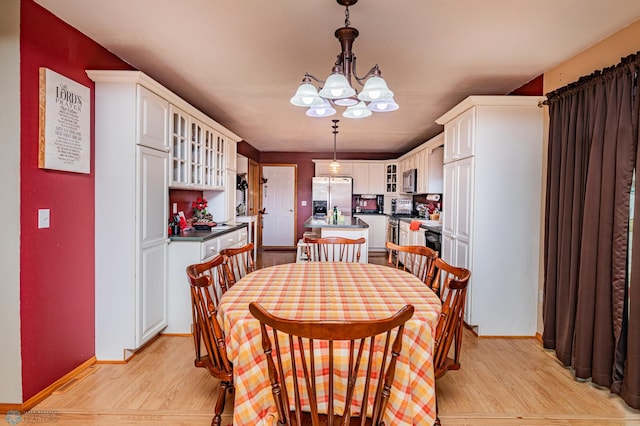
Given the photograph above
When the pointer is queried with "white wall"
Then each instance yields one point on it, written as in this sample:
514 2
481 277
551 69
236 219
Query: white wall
10 359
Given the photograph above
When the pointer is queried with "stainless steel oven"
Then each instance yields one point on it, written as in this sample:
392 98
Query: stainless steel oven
392 230
433 240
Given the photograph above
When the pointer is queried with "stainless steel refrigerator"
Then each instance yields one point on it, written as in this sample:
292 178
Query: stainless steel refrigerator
336 191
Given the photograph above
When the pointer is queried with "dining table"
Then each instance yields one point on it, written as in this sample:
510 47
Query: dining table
333 291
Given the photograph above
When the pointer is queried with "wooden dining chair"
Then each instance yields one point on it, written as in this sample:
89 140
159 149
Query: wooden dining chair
216 270
351 365
333 249
451 283
238 262
418 260
211 351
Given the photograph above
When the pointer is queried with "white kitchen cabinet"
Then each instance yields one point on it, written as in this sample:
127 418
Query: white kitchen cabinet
131 213
152 120
179 147
377 230
210 159
391 177
459 136
183 253
198 159
491 213
369 178
231 148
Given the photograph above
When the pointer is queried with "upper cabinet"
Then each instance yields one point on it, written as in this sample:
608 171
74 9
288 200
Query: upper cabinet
152 120
200 155
391 177
458 133
427 159
369 178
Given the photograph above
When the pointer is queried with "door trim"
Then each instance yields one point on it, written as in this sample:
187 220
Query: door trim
295 201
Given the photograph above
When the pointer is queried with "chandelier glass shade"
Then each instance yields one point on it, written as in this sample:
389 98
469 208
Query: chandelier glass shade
338 89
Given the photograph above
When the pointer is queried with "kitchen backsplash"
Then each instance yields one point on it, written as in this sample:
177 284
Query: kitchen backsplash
431 202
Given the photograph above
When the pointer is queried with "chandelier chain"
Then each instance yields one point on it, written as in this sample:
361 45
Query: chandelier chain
346 16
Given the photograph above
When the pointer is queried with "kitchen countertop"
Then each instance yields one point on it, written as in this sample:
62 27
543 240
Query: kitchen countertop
216 231
431 225
347 222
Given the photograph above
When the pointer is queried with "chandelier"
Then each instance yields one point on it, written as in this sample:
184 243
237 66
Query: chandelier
334 166
337 89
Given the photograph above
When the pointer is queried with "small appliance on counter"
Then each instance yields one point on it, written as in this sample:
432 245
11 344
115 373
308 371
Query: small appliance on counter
401 207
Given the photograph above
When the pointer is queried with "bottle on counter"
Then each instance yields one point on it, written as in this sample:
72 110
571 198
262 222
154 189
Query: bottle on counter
335 214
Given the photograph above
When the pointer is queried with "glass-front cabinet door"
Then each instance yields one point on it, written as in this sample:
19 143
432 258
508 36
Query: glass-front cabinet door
179 147
220 161
209 158
195 159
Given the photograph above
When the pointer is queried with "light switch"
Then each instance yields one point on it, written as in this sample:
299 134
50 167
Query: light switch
304 203
175 208
43 218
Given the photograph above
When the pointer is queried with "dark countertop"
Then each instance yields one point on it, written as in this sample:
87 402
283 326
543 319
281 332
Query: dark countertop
216 231
347 222
369 213
435 226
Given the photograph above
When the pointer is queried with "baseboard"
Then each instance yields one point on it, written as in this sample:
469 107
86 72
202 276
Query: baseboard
46 392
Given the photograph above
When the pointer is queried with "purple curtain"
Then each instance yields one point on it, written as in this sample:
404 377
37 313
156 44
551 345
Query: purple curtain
591 318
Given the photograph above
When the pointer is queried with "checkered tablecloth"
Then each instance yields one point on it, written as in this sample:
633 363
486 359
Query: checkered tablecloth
331 291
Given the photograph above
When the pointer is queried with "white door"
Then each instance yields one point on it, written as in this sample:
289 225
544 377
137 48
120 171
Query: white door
278 202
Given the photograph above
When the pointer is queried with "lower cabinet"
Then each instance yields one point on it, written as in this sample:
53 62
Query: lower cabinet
183 253
377 230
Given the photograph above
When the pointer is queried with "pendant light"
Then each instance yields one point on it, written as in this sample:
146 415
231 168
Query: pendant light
338 90
334 166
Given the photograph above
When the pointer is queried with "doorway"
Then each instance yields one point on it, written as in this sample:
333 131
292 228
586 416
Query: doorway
278 213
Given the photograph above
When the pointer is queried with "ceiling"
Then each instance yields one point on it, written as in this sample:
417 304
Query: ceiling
241 61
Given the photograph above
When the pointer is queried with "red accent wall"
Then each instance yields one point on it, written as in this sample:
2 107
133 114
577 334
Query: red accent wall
56 264
306 170
532 88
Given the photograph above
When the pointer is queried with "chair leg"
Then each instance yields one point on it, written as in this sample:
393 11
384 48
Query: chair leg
222 396
437 422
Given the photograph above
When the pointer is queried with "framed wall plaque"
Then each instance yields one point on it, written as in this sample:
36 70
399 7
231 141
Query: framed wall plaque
65 120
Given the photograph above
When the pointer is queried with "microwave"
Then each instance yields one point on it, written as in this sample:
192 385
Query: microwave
409 178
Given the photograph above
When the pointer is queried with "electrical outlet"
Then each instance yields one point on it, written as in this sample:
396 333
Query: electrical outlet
304 203
43 218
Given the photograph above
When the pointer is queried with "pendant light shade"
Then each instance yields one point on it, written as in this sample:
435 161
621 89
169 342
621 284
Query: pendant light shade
306 96
336 87
334 167
323 110
357 111
375 88
383 105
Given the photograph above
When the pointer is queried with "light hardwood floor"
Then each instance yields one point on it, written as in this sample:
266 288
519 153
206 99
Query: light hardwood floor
501 382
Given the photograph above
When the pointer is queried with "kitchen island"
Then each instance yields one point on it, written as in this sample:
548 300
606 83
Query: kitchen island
347 227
